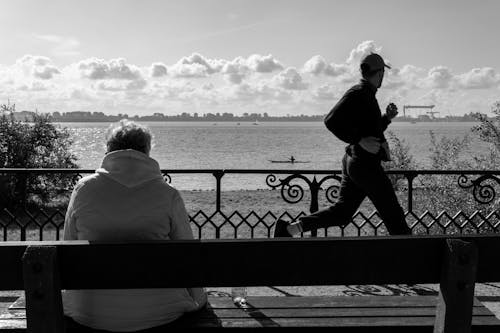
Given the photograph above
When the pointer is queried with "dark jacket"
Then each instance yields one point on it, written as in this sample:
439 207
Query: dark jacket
356 115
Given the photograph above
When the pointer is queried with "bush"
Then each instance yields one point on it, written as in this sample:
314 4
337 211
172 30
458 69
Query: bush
438 193
488 131
401 159
34 143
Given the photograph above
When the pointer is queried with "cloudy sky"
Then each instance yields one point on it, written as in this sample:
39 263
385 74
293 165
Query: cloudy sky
275 56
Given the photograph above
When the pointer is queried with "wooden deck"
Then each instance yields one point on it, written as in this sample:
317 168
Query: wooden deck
345 313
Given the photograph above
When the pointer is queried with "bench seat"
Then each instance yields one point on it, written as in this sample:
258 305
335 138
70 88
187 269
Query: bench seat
366 313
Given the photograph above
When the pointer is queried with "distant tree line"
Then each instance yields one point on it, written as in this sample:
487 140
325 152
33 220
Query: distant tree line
87 116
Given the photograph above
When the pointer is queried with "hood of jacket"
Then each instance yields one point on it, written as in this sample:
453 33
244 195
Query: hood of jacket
129 167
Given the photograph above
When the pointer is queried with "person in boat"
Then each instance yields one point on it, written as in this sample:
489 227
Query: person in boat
357 120
292 159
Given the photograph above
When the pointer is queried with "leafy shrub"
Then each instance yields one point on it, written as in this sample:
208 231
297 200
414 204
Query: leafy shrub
401 159
34 143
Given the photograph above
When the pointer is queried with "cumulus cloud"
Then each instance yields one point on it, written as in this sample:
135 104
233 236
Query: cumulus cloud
196 65
439 77
479 78
324 92
35 66
290 79
46 73
116 85
31 60
317 65
362 50
33 86
263 64
99 69
235 70
244 81
336 69
158 70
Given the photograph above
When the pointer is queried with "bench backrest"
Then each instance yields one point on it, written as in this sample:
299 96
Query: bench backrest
51 266
253 262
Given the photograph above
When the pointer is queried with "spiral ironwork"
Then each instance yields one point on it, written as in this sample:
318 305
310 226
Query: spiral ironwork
482 190
291 193
464 182
166 177
332 191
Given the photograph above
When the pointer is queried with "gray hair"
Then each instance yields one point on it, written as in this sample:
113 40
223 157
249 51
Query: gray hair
128 135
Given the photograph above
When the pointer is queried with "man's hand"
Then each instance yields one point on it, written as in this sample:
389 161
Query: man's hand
391 111
370 143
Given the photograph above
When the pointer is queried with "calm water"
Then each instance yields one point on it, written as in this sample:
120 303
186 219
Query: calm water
229 145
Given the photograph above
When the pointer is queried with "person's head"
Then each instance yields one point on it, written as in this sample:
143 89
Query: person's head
372 69
128 135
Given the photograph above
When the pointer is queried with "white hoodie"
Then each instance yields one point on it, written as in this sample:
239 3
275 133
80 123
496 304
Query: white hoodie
127 199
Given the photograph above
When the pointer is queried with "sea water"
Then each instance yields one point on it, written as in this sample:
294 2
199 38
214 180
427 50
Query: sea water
244 145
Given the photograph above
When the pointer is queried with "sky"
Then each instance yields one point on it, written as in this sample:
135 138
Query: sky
275 56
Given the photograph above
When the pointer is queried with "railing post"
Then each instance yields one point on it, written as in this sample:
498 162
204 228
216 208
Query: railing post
314 189
218 176
456 290
44 311
410 177
23 233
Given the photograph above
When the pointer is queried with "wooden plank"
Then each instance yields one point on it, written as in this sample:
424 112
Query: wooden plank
263 317
307 301
338 312
11 253
131 265
332 322
13 326
454 307
43 290
333 301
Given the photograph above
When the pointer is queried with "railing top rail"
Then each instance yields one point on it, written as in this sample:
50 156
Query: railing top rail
256 171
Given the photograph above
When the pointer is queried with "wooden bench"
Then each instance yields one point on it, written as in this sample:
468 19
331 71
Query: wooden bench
456 263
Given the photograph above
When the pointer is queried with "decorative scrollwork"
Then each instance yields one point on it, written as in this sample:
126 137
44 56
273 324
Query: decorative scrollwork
463 181
167 177
332 191
482 191
270 180
291 193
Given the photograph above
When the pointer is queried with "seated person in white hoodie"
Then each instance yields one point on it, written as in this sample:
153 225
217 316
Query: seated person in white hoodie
127 199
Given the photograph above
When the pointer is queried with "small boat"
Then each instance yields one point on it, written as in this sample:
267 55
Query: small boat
288 161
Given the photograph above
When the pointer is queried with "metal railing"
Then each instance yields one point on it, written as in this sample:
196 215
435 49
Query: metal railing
475 187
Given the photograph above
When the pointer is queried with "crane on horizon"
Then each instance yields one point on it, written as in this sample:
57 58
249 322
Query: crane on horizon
420 107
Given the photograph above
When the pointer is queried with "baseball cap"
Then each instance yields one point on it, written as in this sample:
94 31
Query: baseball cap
374 62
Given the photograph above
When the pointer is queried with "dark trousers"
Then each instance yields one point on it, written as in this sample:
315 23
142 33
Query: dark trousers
362 176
